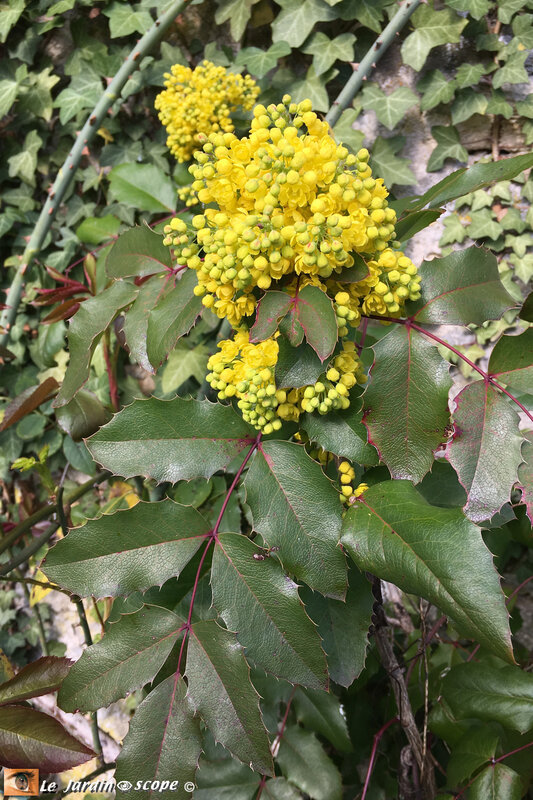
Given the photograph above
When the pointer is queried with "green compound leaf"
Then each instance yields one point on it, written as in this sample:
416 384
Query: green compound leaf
296 508
342 433
406 402
511 361
261 604
296 366
462 288
436 89
343 627
138 252
525 475
448 146
85 329
485 449
478 176
171 440
280 789
298 18
321 712
40 677
184 363
163 742
224 778
389 109
136 319
432 28
131 654
143 187
259 62
433 552
173 317
326 51
502 694
407 226
222 693
94 230
303 762
474 749
496 782
387 165
129 551
270 310
315 313
31 737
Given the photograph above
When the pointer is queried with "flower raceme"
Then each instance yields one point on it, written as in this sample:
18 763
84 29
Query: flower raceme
200 101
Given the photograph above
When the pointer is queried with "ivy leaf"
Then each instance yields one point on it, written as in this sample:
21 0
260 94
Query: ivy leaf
40 677
131 654
296 366
511 361
485 449
508 8
313 87
172 317
406 402
448 146
343 626
137 252
259 62
483 225
467 103
183 363
367 12
303 762
501 694
171 440
470 74
523 29
496 782
513 71
163 742
463 181
222 693
525 475
86 327
28 736
136 318
322 713
238 12
24 164
9 15
298 18
296 508
270 310
387 165
326 51
261 604
436 88
389 109
432 552
432 28
498 104
83 91
125 19
342 433
476 8
345 133
143 187
463 288
129 551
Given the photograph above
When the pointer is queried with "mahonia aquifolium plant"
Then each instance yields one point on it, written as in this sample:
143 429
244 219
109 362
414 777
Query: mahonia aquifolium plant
201 100
287 207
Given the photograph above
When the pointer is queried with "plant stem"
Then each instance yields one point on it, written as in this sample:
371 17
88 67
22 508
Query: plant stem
377 739
277 741
47 511
66 173
487 377
370 60
34 582
78 602
37 612
111 377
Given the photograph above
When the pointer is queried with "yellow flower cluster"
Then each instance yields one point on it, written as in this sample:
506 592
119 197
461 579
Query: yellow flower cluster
247 371
200 101
288 201
347 476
